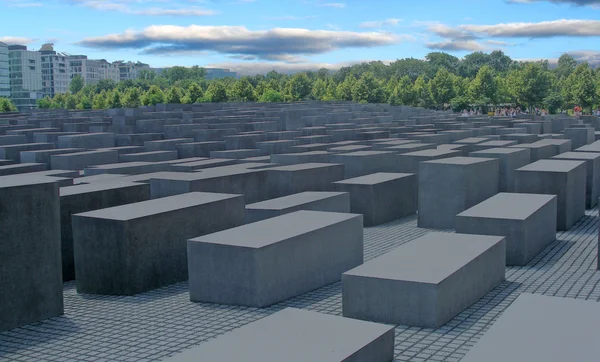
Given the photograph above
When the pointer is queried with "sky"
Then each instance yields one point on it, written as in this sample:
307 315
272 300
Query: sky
256 36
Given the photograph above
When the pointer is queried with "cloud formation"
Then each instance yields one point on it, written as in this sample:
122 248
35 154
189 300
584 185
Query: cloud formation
16 40
593 3
238 40
456 45
253 68
144 7
380 23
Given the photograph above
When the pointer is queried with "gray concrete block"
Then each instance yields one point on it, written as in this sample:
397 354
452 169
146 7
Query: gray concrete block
409 162
301 157
381 197
564 178
152 156
594 147
349 148
425 282
285 335
93 196
136 139
236 154
510 159
362 163
520 137
43 156
12 140
81 160
31 281
199 149
22 168
560 145
272 260
130 249
13 152
292 179
492 144
541 328
411 147
309 200
87 140
166 145
452 185
537 151
592 184
202 164
580 136
274 147
528 221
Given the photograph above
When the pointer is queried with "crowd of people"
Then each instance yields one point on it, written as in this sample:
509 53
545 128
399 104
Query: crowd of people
513 112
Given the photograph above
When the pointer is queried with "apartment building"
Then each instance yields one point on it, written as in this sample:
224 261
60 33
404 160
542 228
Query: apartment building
109 70
4 73
88 69
55 71
130 70
216 73
25 72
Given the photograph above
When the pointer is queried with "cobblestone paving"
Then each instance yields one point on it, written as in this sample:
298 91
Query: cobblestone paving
154 325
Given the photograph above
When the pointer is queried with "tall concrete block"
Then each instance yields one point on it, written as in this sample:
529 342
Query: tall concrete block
283 336
527 331
510 159
580 136
88 140
81 160
309 200
130 249
87 197
362 163
30 266
528 221
592 184
292 179
452 185
272 260
381 197
425 282
564 178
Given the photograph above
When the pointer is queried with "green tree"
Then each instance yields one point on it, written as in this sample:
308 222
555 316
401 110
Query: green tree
174 95
404 93
105 85
553 102
319 89
565 66
6 105
368 90
298 87
439 60
193 94
581 86
344 89
216 92
484 88
242 90
271 95
441 87
77 84
99 101
84 102
421 87
530 85
153 96
132 98
114 100
71 101
44 103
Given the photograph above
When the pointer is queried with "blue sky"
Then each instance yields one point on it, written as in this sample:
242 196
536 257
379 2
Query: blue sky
255 36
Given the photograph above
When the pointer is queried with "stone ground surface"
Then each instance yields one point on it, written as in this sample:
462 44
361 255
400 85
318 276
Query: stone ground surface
153 325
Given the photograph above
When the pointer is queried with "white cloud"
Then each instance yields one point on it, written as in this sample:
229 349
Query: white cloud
456 45
127 7
16 40
380 23
238 40
253 68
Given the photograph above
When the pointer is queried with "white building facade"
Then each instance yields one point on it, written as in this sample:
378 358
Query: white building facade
25 70
55 71
4 72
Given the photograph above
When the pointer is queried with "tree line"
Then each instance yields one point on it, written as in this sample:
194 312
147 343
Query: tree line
440 81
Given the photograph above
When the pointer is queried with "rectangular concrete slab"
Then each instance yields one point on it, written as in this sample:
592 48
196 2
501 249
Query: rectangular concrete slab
295 335
541 328
564 178
592 186
133 248
425 282
528 221
272 260
310 200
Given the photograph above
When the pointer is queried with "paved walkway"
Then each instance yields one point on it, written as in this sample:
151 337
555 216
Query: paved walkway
153 325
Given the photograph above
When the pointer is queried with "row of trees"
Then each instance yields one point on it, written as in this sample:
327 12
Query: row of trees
438 81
